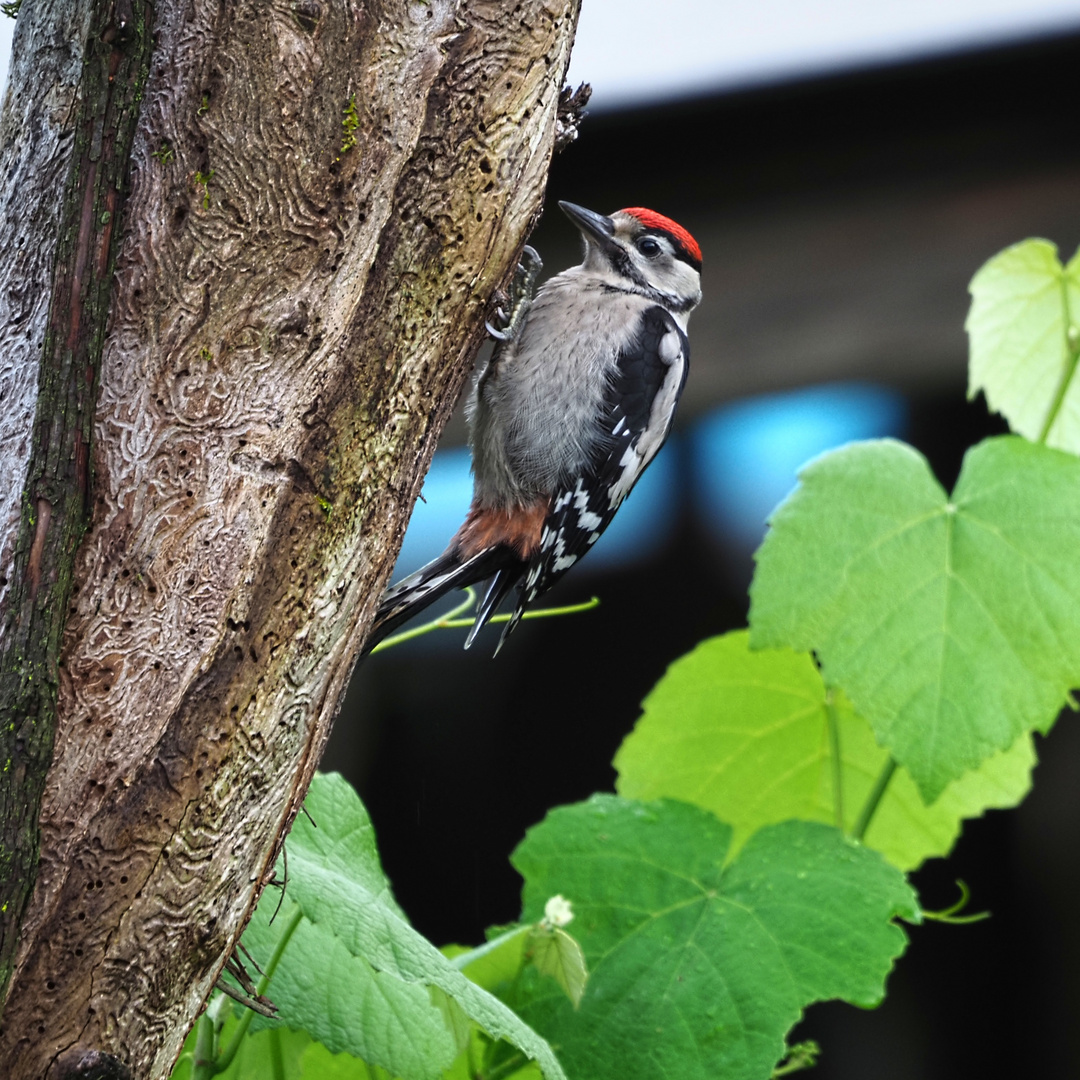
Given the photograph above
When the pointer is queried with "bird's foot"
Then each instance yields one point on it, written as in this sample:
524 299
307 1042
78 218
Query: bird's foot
504 326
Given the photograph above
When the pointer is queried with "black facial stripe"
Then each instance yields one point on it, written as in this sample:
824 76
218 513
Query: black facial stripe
623 266
665 300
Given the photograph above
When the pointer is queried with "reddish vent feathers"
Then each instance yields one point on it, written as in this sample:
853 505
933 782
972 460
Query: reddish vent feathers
487 526
652 220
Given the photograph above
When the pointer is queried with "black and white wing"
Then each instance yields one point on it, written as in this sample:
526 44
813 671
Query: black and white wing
639 406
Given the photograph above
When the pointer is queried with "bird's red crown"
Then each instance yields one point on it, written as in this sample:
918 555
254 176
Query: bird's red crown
652 220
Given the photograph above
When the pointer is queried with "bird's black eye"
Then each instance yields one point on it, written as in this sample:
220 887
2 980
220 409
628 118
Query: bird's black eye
648 247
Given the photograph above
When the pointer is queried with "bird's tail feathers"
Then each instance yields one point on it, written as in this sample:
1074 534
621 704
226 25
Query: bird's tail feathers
500 585
412 594
508 628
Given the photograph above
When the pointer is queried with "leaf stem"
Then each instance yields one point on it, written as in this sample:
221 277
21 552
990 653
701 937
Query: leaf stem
834 758
511 1064
872 800
204 1065
451 621
226 1058
1072 346
952 916
1059 396
539 613
207 1032
803 1055
277 1058
426 628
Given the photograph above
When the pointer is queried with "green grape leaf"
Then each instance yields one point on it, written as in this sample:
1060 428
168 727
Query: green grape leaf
1024 327
345 1002
953 624
698 969
355 975
498 963
317 1063
557 955
746 735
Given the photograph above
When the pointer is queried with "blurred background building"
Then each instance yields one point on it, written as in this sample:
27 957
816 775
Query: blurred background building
846 169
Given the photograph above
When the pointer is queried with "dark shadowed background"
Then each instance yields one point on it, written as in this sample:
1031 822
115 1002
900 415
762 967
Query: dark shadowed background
841 219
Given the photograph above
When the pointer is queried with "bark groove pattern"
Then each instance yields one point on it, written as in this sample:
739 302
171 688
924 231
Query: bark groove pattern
53 448
297 303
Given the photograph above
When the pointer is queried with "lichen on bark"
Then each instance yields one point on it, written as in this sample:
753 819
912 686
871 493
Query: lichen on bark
289 326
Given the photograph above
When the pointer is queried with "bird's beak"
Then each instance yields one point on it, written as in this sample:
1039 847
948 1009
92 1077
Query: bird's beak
593 226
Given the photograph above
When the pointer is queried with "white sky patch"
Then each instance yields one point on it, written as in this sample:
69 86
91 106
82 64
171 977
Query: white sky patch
635 51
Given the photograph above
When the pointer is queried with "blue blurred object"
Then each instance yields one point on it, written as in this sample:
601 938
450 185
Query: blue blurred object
441 509
647 518
642 524
746 454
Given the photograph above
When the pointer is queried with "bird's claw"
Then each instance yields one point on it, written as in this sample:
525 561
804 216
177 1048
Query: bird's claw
521 293
528 270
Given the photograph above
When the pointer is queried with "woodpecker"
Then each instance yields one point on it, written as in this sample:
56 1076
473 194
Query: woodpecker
576 400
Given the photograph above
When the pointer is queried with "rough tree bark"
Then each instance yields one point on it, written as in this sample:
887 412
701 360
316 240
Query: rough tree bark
321 198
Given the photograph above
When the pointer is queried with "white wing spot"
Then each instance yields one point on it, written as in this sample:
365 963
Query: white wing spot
670 347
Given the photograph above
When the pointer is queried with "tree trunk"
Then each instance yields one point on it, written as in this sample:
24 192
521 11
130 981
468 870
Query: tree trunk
321 198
